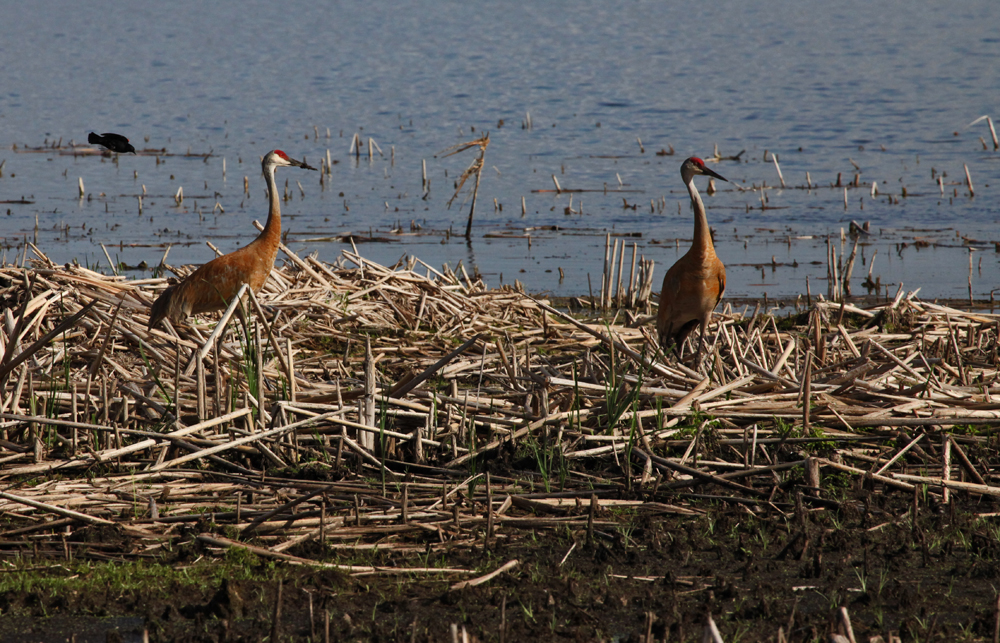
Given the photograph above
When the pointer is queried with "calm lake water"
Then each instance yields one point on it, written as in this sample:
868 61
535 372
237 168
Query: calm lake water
885 90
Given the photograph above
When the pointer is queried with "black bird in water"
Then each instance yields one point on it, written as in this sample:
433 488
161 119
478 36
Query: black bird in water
114 142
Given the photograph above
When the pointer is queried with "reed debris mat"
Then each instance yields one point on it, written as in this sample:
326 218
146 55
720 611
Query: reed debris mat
410 409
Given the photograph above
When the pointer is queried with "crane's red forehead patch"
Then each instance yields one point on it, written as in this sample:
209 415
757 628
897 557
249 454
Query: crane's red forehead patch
281 154
696 161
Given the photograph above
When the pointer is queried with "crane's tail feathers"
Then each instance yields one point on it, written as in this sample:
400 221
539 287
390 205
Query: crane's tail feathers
161 307
673 341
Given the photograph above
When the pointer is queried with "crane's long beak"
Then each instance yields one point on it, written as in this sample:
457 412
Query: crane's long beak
715 174
305 166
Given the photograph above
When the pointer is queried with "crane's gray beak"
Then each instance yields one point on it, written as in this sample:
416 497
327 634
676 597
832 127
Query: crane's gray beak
305 166
715 174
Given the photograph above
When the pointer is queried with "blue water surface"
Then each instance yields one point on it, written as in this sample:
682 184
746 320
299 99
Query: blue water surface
882 90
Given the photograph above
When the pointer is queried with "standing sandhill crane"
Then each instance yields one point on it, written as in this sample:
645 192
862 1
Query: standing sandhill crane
694 285
213 286
114 142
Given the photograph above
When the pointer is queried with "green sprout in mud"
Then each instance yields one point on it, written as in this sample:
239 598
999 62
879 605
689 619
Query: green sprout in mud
923 623
619 397
833 599
322 453
761 535
529 612
734 530
693 423
742 630
548 458
879 615
968 429
250 343
472 489
862 579
968 631
709 524
788 430
576 404
951 587
626 530
963 539
883 580
993 531
156 378
576 390
383 440
284 388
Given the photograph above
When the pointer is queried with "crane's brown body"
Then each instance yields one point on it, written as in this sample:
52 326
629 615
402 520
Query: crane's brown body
694 285
212 286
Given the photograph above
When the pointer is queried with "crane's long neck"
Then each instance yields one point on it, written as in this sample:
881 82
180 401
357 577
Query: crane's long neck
271 234
702 235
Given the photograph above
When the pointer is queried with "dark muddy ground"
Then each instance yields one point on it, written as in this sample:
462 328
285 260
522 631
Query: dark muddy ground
934 577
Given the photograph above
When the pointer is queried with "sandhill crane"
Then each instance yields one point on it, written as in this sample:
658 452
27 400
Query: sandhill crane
212 286
694 285
114 142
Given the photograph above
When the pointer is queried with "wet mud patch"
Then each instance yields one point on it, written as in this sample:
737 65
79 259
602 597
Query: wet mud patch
928 576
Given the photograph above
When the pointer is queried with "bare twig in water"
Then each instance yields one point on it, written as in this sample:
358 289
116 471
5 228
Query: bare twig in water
476 167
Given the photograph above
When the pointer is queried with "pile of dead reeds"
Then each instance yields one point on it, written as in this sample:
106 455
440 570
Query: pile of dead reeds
353 404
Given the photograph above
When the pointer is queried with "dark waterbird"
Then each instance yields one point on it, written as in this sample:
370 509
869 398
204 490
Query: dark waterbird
114 142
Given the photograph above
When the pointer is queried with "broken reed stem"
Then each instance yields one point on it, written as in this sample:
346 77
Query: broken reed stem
971 303
807 391
605 274
774 157
631 277
968 180
475 196
945 467
621 266
368 439
848 269
993 134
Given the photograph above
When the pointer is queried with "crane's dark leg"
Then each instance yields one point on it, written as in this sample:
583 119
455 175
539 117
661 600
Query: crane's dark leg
701 344
674 341
668 343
